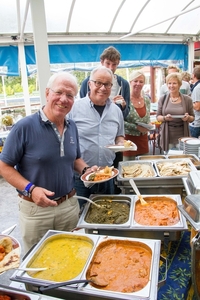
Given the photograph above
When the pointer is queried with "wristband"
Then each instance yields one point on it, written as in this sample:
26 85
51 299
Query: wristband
29 185
84 170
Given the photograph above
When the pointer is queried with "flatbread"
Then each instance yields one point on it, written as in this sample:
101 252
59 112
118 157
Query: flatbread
11 260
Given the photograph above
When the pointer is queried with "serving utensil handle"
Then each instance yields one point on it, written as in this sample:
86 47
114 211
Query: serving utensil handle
60 284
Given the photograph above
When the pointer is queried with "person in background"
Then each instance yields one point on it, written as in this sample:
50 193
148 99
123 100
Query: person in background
120 91
195 126
139 112
186 76
175 111
100 123
184 88
42 161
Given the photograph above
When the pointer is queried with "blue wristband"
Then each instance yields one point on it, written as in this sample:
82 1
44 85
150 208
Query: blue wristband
29 185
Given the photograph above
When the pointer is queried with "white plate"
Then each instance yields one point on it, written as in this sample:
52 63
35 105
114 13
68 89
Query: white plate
177 116
147 126
15 244
85 177
117 148
193 142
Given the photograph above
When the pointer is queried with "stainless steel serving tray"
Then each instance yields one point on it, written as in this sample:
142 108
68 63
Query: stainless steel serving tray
181 225
150 290
135 162
151 157
191 210
165 161
48 237
82 223
86 291
136 230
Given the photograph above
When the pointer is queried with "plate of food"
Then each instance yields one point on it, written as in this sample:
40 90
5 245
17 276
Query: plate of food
128 146
101 175
10 251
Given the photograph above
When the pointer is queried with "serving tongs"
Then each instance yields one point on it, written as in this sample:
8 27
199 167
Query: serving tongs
132 183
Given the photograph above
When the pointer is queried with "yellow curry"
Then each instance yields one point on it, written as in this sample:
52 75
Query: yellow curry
64 258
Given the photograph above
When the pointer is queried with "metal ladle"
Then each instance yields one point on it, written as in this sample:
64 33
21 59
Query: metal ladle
87 199
132 183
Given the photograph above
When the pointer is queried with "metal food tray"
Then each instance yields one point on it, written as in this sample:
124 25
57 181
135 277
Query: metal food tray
117 198
136 230
86 291
151 157
181 225
150 290
190 164
128 163
194 159
49 236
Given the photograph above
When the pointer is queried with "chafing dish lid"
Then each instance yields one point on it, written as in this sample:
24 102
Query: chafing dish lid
194 179
191 210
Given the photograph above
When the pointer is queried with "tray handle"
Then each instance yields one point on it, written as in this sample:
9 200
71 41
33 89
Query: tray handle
163 281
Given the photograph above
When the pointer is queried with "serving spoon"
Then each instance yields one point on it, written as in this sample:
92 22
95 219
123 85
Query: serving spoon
87 199
60 284
132 183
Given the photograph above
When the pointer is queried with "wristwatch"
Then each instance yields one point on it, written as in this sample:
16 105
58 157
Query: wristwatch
27 191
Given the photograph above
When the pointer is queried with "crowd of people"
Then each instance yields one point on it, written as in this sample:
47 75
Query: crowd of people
66 139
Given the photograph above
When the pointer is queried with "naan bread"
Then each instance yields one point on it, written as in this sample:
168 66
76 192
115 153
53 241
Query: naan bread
11 260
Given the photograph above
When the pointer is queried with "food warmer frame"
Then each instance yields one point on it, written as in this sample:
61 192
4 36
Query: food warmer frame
155 184
135 230
86 291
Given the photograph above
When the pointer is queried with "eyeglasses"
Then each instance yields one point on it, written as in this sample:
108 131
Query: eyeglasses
60 94
99 84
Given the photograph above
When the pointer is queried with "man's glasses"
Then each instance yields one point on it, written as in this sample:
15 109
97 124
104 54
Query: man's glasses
99 84
60 94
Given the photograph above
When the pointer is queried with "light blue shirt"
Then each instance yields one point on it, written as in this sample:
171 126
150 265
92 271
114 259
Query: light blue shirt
95 131
196 98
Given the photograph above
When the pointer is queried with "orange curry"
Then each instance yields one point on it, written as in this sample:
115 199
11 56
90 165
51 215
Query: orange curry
161 211
121 266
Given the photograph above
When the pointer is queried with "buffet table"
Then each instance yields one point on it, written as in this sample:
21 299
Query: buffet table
178 282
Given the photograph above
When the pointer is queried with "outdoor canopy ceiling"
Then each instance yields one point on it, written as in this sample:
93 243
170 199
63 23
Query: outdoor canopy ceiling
81 21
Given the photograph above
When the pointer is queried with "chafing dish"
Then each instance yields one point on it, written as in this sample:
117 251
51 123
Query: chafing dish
86 291
194 159
166 161
192 182
147 163
117 199
133 229
151 157
191 210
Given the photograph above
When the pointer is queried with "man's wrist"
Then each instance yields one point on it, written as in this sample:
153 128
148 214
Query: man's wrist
84 170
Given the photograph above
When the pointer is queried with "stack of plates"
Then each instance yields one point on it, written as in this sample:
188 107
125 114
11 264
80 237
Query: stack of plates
182 142
192 146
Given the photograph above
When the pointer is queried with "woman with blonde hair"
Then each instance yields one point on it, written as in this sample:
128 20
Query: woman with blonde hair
139 112
175 111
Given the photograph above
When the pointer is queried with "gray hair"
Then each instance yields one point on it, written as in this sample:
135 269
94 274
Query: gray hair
174 75
136 74
99 68
65 75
